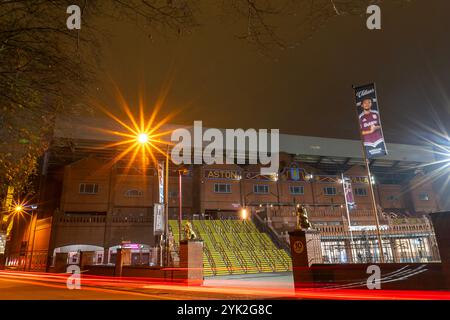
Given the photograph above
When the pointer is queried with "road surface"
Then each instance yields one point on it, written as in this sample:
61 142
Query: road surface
17 285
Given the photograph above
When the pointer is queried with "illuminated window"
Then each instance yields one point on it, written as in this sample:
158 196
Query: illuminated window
424 196
296 189
88 188
260 188
222 188
329 191
134 193
361 192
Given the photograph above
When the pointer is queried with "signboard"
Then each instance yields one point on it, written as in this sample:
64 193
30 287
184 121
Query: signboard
360 180
160 167
158 219
2 242
369 121
222 174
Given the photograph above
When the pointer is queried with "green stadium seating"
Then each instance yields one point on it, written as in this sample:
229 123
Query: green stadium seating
236 247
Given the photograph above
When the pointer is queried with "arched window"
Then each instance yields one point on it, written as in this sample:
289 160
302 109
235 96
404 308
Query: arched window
133 193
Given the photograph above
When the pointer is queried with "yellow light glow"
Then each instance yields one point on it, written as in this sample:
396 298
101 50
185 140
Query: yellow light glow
142 138
18 208
244 214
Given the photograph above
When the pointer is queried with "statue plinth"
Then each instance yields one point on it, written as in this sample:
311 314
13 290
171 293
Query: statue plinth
305 250
191 261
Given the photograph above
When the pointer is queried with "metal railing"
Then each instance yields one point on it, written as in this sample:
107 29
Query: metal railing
274 236
79 219
210 260
362 247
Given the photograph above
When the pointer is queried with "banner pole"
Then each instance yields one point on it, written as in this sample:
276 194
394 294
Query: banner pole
372 194
374 208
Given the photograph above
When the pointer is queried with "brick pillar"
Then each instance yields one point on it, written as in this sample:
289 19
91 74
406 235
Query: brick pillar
441 224
304 253
119 264
191 261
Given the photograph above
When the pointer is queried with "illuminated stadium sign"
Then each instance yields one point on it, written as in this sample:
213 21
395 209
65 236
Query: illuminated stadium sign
222 174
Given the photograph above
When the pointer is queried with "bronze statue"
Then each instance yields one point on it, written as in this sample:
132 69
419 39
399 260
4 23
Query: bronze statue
189 233
302 218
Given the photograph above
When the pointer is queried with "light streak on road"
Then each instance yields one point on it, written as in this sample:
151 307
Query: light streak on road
233 289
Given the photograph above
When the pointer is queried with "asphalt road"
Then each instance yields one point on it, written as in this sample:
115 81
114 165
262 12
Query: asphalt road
29 285
16 285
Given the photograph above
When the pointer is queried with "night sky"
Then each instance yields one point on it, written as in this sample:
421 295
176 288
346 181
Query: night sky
306 90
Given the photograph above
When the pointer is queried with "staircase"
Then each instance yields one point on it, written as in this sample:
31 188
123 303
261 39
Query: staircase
236 247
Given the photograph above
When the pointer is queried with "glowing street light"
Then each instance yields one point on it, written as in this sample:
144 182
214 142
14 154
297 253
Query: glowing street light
142 138
18 208
244 214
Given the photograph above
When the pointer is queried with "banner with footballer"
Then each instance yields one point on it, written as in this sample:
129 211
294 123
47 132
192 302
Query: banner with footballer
369 121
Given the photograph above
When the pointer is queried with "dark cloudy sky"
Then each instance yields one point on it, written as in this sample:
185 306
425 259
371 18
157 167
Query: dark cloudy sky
306 90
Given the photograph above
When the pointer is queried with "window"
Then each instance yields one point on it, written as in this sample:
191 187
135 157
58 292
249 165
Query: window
173 194
329 191
424 196
260 188
88 188
133 193
222 188
392 197
297 189
361 192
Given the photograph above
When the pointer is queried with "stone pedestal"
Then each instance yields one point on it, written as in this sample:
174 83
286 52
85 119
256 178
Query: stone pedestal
305 250
441 225
191 261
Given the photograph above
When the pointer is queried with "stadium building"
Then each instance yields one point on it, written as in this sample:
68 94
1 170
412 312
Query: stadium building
92 203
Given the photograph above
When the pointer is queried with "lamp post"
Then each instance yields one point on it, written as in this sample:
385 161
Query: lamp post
143 139
180 199
33 223
17 211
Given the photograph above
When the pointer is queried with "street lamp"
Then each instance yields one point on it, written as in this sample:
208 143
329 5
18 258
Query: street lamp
181 172
144 141
18 210
142 135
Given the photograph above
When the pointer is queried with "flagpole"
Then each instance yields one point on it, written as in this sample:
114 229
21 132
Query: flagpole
372 194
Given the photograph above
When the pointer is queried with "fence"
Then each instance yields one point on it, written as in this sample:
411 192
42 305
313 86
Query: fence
398 246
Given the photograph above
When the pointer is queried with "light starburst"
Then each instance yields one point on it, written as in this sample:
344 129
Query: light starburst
141 137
